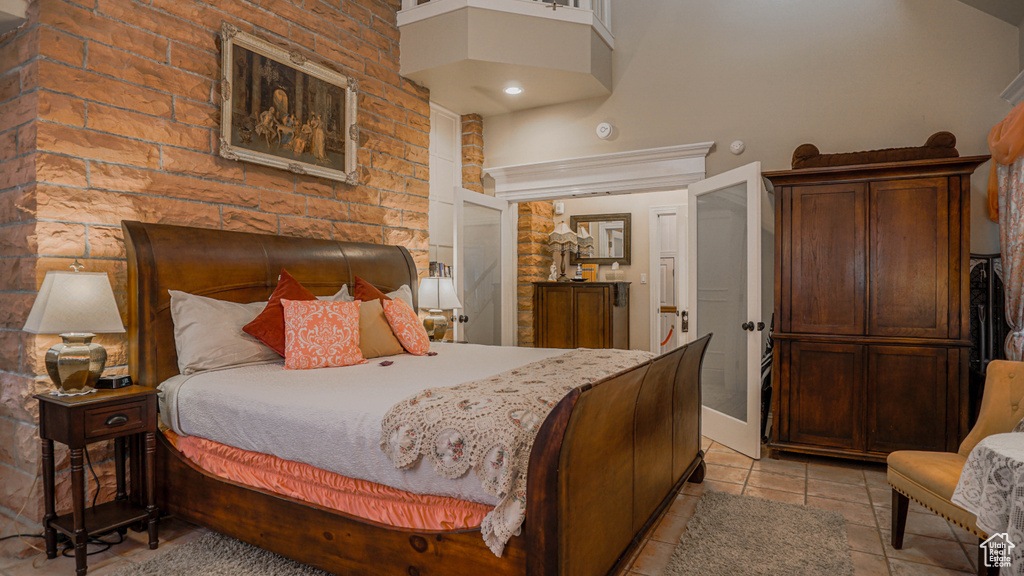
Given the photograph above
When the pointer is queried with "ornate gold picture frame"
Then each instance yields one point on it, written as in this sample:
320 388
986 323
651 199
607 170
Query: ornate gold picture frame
280 109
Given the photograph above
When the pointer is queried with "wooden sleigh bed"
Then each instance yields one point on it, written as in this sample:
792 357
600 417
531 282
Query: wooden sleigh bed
606 462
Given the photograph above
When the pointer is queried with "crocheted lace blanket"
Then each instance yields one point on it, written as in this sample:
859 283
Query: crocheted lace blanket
489 425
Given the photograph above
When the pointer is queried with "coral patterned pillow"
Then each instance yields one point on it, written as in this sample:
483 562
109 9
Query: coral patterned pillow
407 327
320 334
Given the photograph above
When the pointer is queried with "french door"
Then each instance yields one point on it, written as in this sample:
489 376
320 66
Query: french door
730 235
483 237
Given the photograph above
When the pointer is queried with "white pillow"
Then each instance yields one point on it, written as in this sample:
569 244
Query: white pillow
404 294
208 333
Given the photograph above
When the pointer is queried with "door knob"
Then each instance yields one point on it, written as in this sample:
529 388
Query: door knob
748 326
463 319
760 326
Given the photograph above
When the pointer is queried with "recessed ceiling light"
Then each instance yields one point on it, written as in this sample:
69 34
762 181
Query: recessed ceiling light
513 90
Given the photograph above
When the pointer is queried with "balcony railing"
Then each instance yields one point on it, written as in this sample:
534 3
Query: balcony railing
601 9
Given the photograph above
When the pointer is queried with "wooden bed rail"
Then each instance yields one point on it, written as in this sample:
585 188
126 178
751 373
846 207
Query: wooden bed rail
608 459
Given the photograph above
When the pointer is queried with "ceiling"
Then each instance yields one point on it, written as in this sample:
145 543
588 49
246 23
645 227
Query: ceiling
1011 11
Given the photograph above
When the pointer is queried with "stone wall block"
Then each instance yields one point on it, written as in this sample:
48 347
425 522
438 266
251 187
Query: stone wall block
415 220
353 232
8 450
248 221
327 209
95 146
61 170
304 227
271 178
61 108
405 202
358 194
411 239
278 203
190 163
148 128
105 241
89 24
312 186
16 393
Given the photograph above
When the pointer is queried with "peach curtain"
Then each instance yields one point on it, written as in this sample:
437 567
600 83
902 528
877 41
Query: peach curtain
1006 206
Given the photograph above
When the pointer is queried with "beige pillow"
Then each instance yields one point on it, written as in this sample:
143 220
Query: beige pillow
404 293
208 333
375 336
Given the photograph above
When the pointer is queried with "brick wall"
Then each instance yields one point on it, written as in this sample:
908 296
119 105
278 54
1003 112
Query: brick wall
121 99
473 152
536 221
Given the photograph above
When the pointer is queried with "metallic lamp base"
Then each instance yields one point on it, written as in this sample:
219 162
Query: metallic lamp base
76 364
436 324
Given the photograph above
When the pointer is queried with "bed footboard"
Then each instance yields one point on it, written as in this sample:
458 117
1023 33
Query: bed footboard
608 459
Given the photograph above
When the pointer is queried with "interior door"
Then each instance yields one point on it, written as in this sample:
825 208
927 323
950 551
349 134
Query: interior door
482 238
727 228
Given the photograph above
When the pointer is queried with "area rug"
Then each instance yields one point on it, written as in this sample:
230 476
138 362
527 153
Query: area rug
217 555
738 535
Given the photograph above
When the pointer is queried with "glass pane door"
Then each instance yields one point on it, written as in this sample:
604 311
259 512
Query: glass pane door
726 299
480 241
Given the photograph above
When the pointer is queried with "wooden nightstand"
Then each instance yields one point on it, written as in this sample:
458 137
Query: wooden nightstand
123 414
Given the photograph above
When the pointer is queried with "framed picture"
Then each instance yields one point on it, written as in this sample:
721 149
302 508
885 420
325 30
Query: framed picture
589 272
280 109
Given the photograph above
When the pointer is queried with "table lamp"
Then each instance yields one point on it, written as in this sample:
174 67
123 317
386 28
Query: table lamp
562 240
437 294
585 242
76 305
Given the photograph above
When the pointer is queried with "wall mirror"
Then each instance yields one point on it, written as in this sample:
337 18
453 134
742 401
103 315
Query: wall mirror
611 237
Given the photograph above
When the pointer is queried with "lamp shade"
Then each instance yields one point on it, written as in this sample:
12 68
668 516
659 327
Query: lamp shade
74 302
586 242
563 235
438 294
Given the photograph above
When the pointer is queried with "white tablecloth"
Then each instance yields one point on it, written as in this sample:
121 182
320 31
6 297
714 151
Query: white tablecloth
992 488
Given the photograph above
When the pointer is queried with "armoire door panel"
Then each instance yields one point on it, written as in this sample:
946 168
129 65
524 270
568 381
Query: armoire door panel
828 267
909 258
826 389
556 318
591 328
907 398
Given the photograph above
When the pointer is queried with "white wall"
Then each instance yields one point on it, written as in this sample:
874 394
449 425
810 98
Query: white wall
844 75
638 206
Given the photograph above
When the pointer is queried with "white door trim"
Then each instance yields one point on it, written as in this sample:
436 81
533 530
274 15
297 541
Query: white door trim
508 257
741 436
654 267
634 171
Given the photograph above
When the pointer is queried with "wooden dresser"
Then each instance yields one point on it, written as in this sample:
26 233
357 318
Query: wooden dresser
581 314
871 307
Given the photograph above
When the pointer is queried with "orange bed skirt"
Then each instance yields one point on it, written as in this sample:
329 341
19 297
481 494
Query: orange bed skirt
359 498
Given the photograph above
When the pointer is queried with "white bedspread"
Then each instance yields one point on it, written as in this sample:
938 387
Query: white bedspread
331 417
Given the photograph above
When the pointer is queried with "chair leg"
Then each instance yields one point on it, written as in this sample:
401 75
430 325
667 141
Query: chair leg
900 504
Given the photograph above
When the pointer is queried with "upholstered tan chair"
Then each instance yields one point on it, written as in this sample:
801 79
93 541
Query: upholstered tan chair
929 478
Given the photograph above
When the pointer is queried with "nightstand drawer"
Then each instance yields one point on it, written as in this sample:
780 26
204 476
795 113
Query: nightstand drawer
105 420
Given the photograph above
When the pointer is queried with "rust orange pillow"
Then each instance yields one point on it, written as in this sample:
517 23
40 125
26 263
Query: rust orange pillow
320 334
268 326
407 327
364 291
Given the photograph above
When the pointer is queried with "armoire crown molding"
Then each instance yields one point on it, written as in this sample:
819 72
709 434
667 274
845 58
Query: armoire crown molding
651 170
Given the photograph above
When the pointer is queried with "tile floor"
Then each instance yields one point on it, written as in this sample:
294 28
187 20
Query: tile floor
857 491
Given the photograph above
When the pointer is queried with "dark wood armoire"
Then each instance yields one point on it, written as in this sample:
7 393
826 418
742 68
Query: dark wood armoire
581 314
871 307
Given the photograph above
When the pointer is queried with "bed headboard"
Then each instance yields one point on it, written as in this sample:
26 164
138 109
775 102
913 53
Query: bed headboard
236 266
